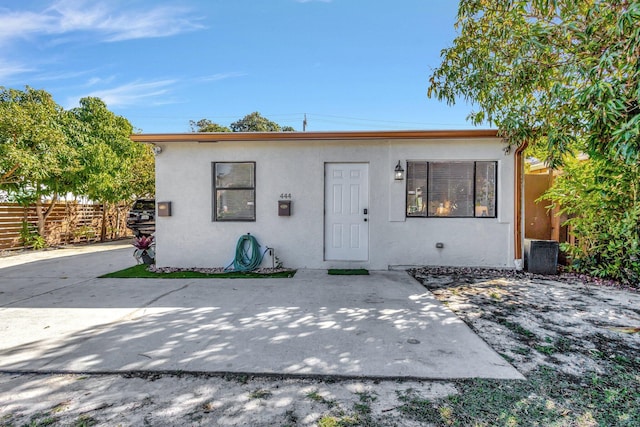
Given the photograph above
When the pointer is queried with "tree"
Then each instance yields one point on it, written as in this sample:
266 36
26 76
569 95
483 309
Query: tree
113 168
105 150
255 122
206 125
46 151
563 73
142 179
564 76
32 146
36 163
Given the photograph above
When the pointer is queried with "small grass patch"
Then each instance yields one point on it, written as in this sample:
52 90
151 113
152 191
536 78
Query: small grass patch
317 397
546 398
41 420
363 408
260 394
417 408
62 406
328 421
85 421
522 350
348 272
545 349
516 328
496 296
507 357
140 272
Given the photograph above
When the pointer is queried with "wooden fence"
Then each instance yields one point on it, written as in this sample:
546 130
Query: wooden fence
68 223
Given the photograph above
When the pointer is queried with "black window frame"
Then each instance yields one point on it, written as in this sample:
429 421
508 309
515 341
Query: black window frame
425 192
214 216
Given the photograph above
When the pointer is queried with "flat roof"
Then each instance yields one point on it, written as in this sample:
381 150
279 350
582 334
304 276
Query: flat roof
333 135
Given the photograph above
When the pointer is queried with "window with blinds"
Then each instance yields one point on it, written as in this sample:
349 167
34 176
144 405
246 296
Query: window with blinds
451 189
234 189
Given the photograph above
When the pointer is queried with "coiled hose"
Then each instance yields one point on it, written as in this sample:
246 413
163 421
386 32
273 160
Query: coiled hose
248 256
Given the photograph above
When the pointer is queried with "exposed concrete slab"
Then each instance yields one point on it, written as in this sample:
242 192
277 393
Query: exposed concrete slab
382 325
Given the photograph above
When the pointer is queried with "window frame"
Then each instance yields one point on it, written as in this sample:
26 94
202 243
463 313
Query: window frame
425 191
214 216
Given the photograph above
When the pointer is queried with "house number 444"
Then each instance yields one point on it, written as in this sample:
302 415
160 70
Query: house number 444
285 195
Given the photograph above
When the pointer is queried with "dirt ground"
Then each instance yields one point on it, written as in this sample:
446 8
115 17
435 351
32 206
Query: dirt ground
568 322
576 328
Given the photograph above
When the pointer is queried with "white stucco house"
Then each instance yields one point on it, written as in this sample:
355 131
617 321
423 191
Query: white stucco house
365 199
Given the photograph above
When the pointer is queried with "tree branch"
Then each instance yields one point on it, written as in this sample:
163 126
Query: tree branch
8 174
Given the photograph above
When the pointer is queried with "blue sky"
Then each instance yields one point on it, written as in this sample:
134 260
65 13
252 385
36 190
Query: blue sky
347 64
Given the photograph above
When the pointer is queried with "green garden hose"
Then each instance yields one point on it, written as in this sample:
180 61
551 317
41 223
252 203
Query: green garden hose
248 256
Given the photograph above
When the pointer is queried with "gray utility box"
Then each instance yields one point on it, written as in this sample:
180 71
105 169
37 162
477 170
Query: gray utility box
541 256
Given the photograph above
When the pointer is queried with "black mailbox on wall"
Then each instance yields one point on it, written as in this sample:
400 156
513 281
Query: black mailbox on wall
164 208
284 207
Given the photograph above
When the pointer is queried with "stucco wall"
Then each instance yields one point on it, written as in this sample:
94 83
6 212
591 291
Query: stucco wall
189 238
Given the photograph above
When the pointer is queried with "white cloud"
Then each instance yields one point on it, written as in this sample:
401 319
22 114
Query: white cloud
120 24
66 75
131 94
221 76
94 81
99 80
108 19
161 22
21 24
7 69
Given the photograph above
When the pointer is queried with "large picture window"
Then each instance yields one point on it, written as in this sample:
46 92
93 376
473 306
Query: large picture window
451 189
234 191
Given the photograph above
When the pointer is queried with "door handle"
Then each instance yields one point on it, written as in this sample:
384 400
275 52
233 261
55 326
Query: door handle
365 220
366 211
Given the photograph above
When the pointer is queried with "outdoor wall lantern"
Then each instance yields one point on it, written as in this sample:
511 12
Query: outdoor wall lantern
399 172
156 149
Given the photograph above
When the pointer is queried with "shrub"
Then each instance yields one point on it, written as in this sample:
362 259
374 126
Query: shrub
30 237
601 198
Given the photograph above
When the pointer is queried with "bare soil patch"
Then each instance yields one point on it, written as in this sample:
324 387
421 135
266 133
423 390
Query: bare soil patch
575 339
563 322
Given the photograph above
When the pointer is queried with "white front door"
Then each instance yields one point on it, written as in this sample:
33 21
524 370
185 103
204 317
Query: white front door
346 227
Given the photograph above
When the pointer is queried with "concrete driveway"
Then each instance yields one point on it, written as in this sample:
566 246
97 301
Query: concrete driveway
56 316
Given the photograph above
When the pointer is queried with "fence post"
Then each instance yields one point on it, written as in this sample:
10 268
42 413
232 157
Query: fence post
103 228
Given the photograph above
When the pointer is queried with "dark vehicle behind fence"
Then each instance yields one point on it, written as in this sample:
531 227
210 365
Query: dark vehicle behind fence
142 217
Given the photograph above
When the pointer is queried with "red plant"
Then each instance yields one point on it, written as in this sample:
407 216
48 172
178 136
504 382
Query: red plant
143 242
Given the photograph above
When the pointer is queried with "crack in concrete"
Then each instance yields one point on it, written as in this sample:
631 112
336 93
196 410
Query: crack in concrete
131 316
50 291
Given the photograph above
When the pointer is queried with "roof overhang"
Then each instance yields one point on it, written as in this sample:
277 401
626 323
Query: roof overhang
213 137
